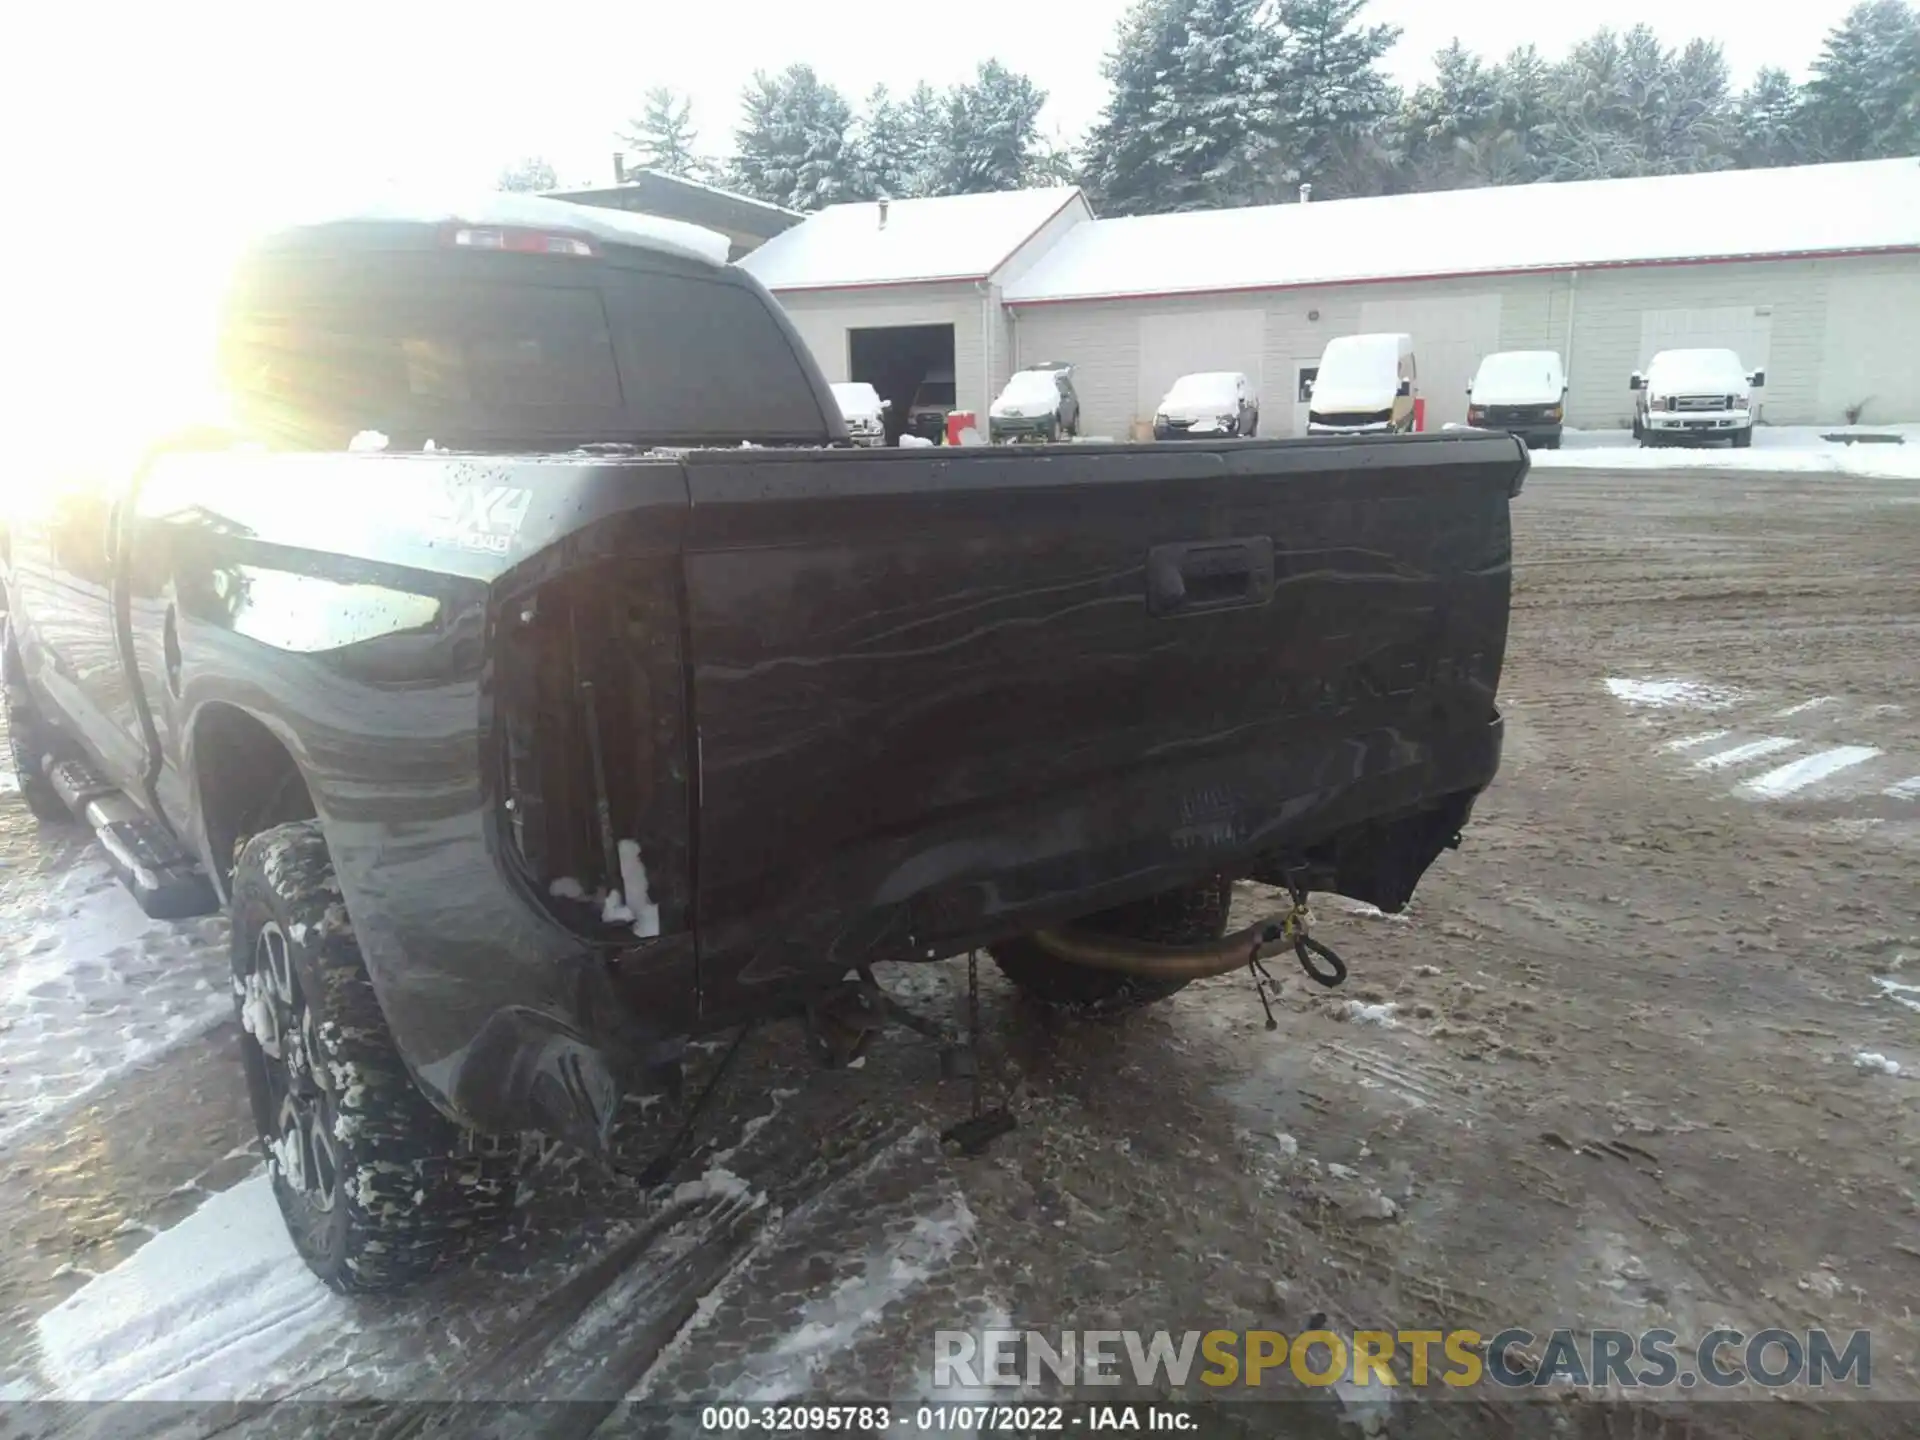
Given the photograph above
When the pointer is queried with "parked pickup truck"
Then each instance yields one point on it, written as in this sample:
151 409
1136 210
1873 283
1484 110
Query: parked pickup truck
539 680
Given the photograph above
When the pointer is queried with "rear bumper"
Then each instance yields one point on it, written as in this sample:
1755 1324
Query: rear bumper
971 881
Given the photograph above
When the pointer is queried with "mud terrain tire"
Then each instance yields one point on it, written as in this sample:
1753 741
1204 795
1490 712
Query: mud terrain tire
1186 916
377 1187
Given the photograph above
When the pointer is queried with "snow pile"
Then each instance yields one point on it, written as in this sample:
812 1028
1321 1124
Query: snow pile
831 1323
202 1312
1899 992
1800 449
92 990
1809 770
632 904
915 442
1382 1014
1672 694
1869 1060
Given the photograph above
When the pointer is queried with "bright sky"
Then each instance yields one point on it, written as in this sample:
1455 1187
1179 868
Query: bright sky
199 116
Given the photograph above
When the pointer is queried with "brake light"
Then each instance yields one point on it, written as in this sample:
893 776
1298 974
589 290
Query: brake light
1475 414
520 242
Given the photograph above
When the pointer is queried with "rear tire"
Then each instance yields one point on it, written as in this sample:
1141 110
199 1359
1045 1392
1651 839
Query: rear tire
376 1186
1187 916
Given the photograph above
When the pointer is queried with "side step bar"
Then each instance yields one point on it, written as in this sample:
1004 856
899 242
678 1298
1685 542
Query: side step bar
166 882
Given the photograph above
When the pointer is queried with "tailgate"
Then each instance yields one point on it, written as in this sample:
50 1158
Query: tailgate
945 696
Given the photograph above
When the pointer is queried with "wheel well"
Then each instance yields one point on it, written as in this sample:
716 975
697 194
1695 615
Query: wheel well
247 780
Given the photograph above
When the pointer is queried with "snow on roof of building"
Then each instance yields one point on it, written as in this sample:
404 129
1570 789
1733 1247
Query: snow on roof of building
955 237
1808 210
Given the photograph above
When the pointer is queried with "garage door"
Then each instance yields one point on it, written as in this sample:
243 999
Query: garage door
1868 359
1183 343
1744 329
1450 338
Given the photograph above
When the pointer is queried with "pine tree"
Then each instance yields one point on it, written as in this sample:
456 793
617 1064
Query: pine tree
925 140
1216 110
793 148
1452 122
1124 166
1331 98
993 127
1523 85
530 176
1769 124
1863 102
879 148
664 138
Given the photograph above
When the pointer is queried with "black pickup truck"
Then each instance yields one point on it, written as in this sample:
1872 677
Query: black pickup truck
538 679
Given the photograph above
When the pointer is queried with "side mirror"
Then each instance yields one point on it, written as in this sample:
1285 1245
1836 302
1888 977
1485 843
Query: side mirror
1638 382
1758 379
886 404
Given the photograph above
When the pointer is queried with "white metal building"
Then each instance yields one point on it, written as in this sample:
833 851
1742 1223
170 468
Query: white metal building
888 292
1811 273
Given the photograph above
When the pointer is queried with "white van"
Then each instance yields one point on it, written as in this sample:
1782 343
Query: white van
1689 396
1366 385
1523 392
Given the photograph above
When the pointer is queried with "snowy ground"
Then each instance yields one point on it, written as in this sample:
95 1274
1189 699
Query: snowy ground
1776 449
1646 1051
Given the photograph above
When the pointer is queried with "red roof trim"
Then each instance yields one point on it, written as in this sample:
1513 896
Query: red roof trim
1853 254
877 284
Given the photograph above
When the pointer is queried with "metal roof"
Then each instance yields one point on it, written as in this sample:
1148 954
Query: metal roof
906 242
1860 208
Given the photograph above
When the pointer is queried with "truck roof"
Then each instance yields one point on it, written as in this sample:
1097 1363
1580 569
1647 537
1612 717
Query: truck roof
520 212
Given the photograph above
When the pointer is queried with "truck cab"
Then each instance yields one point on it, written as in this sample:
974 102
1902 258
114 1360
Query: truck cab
1692 397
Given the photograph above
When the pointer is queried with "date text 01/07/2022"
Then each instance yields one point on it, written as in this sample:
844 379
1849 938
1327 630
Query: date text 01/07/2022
941 1419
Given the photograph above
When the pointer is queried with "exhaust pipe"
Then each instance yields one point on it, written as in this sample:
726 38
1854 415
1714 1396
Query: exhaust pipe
1163 962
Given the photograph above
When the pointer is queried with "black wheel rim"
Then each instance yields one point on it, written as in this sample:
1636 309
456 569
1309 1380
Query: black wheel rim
296 1122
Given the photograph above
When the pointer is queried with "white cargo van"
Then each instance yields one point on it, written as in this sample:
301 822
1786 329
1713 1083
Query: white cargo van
1523 392
1366 386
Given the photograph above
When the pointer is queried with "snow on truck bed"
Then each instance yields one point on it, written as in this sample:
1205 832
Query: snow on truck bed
1814 209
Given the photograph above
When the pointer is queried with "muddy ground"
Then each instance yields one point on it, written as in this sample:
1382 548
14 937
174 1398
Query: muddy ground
1625 1062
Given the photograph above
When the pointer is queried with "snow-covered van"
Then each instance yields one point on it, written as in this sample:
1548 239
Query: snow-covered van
864 411
1366 385
1037 403
1689 396
1207 406
1523 392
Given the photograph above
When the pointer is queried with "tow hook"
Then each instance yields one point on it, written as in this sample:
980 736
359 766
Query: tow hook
1322 965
